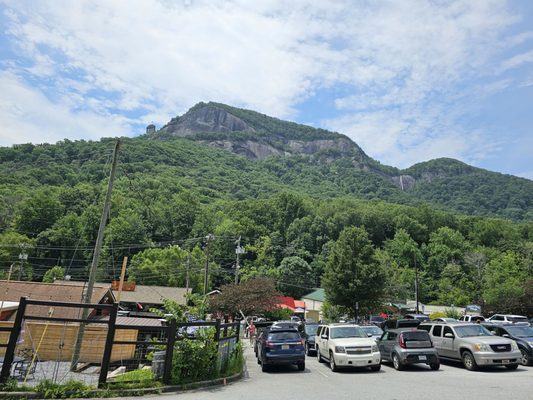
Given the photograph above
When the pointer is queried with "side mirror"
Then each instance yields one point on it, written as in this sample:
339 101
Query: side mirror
369 334
449 335
504 335
324 337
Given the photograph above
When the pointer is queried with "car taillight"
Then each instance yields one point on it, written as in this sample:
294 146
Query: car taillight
269 344
402 341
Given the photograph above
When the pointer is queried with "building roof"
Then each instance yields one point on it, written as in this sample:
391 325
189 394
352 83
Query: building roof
152 294
67 293
317 295
286 302
133 321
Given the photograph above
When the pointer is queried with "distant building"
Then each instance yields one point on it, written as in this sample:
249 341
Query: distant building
313 304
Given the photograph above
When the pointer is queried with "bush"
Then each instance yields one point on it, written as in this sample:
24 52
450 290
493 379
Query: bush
438 314
70 389
236 360
453 313
194 360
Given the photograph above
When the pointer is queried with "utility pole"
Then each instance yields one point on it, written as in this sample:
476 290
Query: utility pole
96 257
416 285
206 272
187 272
23 256
238 251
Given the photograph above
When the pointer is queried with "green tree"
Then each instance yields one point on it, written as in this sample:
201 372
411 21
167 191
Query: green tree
54 273
353 277
38 212
296 277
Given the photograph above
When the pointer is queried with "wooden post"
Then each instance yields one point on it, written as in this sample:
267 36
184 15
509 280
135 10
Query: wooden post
122 274
12 343
171 341
108 345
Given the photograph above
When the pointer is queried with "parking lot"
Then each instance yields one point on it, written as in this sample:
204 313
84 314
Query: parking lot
452 381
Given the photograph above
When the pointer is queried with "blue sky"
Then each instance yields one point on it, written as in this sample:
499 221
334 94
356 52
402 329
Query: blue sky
407 80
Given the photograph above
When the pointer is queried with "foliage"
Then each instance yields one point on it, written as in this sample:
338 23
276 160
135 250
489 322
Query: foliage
278 314
333 312
295 277
453 313
437 314
353 278
195 360
255 296
236 360
70 389
54 273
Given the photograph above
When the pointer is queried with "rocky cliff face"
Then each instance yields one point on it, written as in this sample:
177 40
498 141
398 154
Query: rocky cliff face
208 118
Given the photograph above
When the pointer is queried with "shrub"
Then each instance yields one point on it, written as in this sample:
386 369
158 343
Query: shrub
194 360
236 360
438 314
70 389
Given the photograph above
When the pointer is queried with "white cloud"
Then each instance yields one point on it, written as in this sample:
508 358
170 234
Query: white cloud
409 69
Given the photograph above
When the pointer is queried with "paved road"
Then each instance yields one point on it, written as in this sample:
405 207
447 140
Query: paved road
317 382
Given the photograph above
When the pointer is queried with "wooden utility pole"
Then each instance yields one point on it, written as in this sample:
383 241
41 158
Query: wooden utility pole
206 272
122 275
187 272
96 257
238 251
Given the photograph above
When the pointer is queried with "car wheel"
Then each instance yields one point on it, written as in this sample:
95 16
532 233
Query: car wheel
512 366
318 356
264 367
469 361
524 360
332 364
375 368
434 366
258 360
307 351
396 362
301 366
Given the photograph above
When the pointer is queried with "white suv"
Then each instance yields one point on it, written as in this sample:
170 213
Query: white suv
346 345
508 319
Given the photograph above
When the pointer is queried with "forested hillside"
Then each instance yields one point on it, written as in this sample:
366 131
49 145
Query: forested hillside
288 211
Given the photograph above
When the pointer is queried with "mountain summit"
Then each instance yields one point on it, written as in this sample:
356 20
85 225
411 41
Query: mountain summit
256 135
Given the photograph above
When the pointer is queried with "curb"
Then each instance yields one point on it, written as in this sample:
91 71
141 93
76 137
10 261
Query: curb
143 391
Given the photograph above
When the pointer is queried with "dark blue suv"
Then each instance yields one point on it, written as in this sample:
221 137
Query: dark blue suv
281 347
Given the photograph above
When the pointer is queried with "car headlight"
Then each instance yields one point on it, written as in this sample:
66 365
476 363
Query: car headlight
514 346
481 347
340 349
374 348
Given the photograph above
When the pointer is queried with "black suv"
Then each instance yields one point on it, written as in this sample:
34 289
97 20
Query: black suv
399 323
309 336
521 334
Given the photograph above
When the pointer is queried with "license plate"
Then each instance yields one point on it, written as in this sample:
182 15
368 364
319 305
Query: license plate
285 347
424 358
506 361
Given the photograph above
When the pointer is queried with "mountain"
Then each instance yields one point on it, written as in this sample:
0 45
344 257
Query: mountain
447 183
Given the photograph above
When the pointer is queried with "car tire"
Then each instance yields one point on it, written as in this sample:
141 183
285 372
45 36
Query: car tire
264 367
301 367
397 364
332 364
319 356
258 360
307 351
375 368
469 361
434 366
512 366
525 359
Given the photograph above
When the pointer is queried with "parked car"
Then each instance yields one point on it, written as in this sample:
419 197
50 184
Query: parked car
376 320
472 318
281 347
259 336
472 344
521 334
444 319
287 325
372 331
508 319
309 336
346 345
399 323
408 346
420 317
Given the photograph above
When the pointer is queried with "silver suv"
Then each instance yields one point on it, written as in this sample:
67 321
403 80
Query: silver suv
473 344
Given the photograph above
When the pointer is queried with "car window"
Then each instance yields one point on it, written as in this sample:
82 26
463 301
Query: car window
347 332
311 329
447 329
392 335
319 331
426 328
326 332
274 336
374 330
498 318
415 336
517 319
437 330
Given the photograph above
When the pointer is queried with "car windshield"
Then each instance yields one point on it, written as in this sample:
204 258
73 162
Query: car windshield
472 330
346 332
285 325
377 319
374 330
276 336
520 331
311 329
